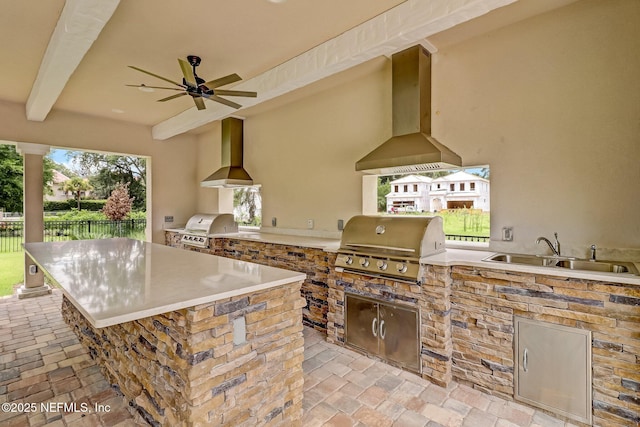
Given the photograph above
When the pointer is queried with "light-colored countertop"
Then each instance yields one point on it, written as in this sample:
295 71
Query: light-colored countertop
474 258
328 245
452 256
118 280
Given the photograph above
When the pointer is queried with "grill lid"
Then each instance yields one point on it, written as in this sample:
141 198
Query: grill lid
203 224
403 237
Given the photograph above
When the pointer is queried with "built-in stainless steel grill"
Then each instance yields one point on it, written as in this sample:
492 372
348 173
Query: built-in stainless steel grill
200 226
390 247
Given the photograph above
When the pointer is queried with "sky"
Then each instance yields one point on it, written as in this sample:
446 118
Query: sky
59 156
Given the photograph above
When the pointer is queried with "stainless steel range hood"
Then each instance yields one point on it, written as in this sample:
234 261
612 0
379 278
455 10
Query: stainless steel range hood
232 173
411 147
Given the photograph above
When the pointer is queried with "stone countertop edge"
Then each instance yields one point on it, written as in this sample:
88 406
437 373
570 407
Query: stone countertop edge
474 258
146 284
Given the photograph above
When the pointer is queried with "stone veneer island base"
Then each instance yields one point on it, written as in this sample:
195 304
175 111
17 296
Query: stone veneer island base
183 368
190 339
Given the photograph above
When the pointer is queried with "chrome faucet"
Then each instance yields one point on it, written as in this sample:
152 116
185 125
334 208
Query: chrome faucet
555 247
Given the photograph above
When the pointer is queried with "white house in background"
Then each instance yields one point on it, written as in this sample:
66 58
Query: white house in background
459 190
57 183
409 193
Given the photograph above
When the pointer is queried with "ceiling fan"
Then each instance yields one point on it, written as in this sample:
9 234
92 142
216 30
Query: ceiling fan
196 87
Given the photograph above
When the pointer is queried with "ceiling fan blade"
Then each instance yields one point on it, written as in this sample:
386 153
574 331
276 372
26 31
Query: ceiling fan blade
235 93
168 98
231 78
223 101
199 102
156 76
155 87
187 71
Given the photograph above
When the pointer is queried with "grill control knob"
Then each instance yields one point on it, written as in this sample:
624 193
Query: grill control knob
402 268
348 260
364 262
382 265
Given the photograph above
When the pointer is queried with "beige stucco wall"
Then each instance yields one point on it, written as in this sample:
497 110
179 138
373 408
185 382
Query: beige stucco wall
172 171
550 103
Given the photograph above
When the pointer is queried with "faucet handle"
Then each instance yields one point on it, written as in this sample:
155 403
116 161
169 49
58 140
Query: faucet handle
593 253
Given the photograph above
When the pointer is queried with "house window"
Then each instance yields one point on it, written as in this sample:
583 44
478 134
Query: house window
395 188
247 206
465 221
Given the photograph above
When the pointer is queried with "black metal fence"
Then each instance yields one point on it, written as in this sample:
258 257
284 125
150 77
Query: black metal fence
460 238
12 232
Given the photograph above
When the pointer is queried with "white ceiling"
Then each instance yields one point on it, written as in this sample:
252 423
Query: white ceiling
73 55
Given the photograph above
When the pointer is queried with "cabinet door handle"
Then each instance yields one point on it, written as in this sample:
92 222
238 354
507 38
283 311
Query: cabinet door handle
525 359
382 330
374 327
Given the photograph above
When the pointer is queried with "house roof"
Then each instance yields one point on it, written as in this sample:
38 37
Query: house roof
460 176
412 179
58 177
72 55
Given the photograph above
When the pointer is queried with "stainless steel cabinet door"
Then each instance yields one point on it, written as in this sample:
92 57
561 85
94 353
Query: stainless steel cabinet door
553 368
398 331
361 325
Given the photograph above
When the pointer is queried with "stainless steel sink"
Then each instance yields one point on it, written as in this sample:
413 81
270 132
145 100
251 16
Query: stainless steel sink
518 259
564 262
605 266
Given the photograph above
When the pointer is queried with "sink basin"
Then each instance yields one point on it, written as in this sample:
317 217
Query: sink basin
524 259
518 259
564 262
605 266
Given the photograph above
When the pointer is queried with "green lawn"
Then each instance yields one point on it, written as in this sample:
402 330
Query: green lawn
11 271
466 222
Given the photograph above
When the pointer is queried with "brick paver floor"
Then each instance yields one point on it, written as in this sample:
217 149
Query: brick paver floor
41 361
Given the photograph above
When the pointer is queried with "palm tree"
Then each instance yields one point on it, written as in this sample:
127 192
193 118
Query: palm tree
76 186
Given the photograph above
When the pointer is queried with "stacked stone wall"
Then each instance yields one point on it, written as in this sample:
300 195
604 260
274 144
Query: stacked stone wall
315 263
184 367
484 303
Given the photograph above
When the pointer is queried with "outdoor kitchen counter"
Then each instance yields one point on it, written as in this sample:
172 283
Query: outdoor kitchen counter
188 338
113 281
474 258
325 244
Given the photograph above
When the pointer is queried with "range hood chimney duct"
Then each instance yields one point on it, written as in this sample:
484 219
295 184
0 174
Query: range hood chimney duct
411 147
232 173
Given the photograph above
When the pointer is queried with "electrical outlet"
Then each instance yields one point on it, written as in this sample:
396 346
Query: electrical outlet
168 218
340 225
507 234
274 221
309 224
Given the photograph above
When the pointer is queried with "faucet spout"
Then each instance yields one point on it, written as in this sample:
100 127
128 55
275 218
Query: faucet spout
555 247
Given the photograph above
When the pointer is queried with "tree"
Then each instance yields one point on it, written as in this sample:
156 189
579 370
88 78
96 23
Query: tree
246 201
119 203
76 186
106 171
10 179
11 171
384 188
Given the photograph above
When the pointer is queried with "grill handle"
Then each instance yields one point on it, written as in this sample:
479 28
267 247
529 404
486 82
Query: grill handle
390 248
